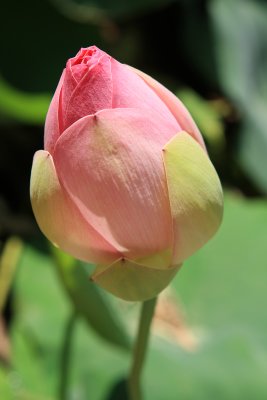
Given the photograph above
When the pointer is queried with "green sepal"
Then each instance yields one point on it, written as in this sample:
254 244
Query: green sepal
132 281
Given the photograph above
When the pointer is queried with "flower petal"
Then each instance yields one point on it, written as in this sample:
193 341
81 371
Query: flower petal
161 260
130 91
52 122
93 93
111 165
132 281
58 218
176 107
195 194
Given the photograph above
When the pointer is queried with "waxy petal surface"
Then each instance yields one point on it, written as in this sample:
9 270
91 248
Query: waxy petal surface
176 107
58 218
132 281
130 91
195 194
111 165
52 122
91 94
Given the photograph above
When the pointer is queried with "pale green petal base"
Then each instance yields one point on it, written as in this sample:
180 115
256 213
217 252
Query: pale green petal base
59 220
195 193
160 260
132 281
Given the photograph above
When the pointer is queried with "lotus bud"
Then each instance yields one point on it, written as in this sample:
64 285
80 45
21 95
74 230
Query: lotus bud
124 180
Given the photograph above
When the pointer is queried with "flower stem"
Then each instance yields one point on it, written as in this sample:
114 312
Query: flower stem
139 354
66 356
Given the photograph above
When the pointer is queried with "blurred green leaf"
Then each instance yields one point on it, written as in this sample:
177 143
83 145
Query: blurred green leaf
252 146
89 300
222 288
5 390
38 328
241 47
37 333
242 64
22 106
206 117
221 292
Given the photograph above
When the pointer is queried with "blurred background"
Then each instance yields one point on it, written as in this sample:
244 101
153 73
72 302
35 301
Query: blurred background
209 334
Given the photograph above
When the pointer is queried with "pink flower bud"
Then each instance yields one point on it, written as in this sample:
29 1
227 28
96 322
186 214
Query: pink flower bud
124 181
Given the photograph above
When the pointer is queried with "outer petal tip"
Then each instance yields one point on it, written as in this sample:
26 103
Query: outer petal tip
42 181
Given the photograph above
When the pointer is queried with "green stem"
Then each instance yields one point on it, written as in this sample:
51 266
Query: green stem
139 354
66 356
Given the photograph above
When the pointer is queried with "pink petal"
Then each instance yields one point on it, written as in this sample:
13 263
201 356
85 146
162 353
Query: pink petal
60 220
52 123
130 91
111 165
176 107
93 93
